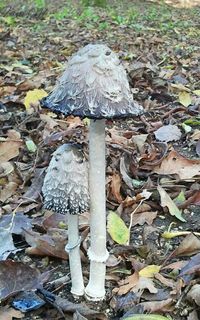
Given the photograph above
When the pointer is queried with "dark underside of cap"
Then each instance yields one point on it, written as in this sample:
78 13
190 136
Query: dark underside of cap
101 110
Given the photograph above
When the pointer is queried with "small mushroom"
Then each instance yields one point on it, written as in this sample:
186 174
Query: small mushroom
95 85
65 191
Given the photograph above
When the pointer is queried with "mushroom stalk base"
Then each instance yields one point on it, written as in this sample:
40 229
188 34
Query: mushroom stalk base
73 248
97 253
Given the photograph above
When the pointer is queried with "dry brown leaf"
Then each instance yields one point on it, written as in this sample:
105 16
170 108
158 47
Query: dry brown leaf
50 244
16 276
144 217
189 246
196 135
6 168
115 187
175 163
193 294
139 140
13 134
175 265
158 306
8 191
145 283
127 284
10 313
135 284
9 147
116 138
165 281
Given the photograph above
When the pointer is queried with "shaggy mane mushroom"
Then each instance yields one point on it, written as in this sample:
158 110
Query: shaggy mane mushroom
95 85
65 191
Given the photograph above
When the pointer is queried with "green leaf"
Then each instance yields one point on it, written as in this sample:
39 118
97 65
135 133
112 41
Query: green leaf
31 146
117 228
185 98
180 199
146 317
166 201
192 122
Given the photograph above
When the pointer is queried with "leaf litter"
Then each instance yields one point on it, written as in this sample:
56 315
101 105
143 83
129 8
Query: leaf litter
155 155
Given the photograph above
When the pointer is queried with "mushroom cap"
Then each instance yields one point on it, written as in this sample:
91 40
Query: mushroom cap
94 85
65 187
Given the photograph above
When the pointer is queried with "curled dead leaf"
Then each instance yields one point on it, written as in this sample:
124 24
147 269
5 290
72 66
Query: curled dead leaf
175 163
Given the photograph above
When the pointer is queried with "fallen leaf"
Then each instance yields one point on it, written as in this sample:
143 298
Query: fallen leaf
116 138
115 186
166 201
9 147
117 228
6 168
145 283
173 234
194 199
124 302
17 276
193 294
15 224
123 170
180 87
158 306
127 284
144 217
165 281
139 140
180 199
34 191
50 244
189 246
185 98
197 92
196 135
7 313
168 133
32 97
175 163
192 266
8 190
149 271
6 243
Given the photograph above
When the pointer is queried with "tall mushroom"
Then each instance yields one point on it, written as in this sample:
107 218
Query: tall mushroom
95 85
65 191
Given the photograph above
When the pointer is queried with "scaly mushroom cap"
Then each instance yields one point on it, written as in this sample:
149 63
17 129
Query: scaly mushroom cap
94 85
65 187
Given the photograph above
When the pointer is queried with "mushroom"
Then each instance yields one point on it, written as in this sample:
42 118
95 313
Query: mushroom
95 85
65 191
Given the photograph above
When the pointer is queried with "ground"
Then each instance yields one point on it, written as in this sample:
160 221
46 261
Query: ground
153 161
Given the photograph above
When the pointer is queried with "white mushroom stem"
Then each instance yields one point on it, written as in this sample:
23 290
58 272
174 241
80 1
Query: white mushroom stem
97 252
73 248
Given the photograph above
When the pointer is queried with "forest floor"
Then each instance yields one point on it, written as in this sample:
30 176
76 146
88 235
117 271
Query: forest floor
153 164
